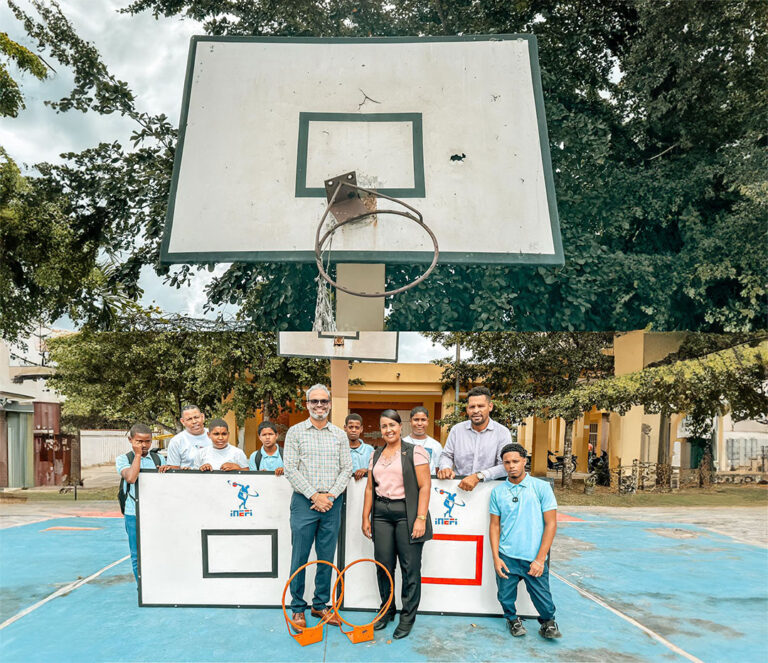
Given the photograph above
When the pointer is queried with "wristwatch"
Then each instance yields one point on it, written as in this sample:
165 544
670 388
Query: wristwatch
421 517
480 476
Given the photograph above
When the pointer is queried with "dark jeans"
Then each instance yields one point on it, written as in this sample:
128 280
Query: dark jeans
538 589
130 528
392 542
310 527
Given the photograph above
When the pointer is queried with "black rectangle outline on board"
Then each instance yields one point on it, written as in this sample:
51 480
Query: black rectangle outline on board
272 533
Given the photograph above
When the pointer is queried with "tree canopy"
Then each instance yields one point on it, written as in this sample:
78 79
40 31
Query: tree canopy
659 156
149 376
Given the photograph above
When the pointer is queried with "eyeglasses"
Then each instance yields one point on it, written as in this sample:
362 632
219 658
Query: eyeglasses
318 401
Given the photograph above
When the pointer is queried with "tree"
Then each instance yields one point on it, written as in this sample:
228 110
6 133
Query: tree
49 266
11 99
149 376
659 160
525 368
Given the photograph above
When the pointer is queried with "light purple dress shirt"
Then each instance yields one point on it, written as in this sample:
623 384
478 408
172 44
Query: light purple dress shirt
469 452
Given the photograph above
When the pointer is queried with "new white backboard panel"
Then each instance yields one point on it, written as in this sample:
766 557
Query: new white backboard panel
457 565
454 126
198 545
361 346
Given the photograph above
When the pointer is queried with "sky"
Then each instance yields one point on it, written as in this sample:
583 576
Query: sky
150 55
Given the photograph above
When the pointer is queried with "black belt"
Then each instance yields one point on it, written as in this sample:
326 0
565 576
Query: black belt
387 500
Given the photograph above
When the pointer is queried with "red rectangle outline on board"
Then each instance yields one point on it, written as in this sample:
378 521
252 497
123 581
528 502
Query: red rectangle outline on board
478 579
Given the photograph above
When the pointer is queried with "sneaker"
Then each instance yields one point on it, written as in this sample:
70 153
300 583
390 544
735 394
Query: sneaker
516 627
549 630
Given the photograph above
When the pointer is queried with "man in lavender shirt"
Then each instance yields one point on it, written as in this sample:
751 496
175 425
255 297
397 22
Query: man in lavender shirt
474 447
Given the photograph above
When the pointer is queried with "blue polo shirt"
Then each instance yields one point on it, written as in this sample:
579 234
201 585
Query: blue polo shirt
121 463
268 463
361 456
522 522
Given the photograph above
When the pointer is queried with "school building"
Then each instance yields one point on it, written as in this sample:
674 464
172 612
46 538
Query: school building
634 435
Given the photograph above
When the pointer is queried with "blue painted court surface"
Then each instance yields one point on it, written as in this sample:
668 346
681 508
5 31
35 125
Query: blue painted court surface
703 593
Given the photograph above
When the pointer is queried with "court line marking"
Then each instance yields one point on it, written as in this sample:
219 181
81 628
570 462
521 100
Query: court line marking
634 622
59 592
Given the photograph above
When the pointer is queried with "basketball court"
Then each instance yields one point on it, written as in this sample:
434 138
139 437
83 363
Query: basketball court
630 590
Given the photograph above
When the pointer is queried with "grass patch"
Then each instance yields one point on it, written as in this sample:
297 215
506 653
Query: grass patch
720 495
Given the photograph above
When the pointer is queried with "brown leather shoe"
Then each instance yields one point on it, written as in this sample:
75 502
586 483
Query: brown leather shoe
299 621
331 621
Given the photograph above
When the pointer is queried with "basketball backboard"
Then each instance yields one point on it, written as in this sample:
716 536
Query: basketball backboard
455 126
354 346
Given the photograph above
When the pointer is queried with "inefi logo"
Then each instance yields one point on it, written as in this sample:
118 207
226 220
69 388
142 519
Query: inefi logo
242 495
449 503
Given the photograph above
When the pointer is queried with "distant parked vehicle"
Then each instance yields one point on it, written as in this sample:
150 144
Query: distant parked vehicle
556 462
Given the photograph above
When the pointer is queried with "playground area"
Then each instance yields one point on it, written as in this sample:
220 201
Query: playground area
630 584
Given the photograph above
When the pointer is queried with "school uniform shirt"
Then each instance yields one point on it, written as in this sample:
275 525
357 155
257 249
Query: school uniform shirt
183 448
268 463
522 520
121 463
217 457
433 447
360 456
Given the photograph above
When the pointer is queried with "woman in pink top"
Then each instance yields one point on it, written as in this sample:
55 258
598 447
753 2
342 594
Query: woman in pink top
396 517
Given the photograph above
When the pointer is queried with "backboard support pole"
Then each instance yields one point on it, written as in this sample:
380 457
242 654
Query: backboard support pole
354 314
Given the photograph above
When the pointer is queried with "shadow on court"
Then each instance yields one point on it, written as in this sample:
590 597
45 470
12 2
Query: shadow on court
629 591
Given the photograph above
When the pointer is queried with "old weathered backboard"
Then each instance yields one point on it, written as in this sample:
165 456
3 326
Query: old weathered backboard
358 345
454 126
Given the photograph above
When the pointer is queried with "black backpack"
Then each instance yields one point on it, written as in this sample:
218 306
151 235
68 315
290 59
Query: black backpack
122 491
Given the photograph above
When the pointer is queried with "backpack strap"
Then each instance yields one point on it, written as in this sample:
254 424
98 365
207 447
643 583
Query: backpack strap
257 459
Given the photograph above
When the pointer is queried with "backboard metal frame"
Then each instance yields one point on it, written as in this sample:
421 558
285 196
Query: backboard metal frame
352 336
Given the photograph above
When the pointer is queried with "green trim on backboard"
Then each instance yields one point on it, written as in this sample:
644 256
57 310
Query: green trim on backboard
391 257
417 150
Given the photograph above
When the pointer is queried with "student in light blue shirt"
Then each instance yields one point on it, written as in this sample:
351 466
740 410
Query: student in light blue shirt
359 450
523 525
140 437
268 458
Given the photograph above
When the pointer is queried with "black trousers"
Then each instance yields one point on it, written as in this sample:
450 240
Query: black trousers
392 542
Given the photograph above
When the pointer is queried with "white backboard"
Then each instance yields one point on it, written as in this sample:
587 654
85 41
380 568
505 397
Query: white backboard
354 346
454 126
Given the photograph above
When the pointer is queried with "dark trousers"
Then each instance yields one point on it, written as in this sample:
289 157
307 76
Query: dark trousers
538 589
310 527
130 530
392 542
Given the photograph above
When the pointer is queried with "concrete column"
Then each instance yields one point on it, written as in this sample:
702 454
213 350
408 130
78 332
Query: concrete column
581 444
539 445
360 313
339 391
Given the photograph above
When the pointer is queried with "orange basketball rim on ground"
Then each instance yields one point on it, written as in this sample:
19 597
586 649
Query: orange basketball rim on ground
363 633
309 635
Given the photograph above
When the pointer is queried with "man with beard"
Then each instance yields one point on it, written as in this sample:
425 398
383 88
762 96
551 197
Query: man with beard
318 466
473 448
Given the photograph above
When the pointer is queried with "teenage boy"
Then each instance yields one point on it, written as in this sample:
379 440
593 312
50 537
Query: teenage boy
523 525
419 425
128 467
359 450
268 458
221 455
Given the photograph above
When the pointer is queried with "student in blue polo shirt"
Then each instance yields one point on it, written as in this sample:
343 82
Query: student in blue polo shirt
523 525
359 450
268 458
128 467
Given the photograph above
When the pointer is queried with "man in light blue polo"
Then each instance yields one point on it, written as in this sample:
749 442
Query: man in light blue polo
473 448
523 525
359 450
